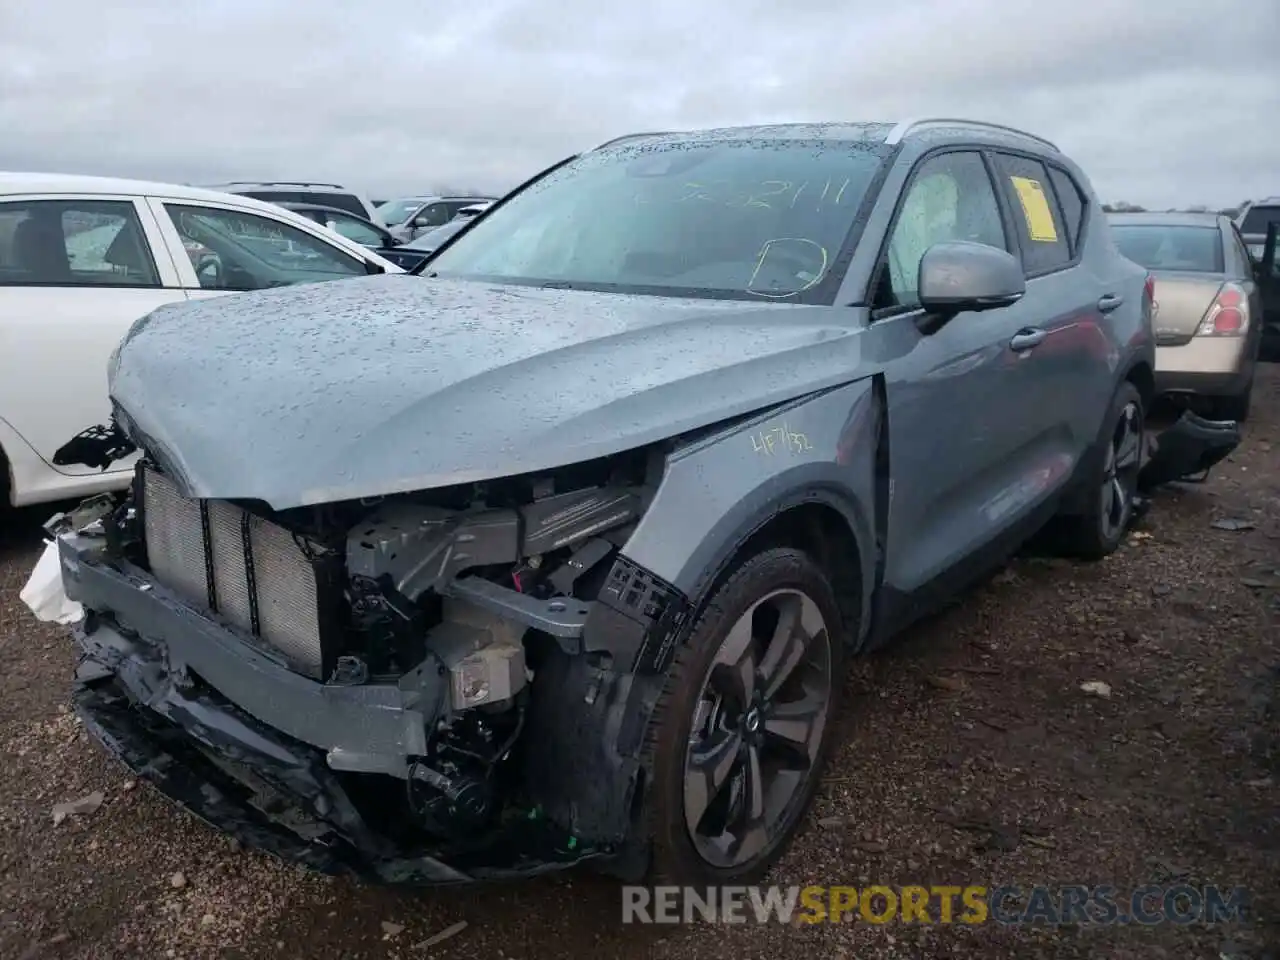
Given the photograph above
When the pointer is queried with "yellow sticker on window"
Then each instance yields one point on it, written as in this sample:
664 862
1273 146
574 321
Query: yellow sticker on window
1035 207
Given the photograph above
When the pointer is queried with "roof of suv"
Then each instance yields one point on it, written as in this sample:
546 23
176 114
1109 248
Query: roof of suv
451 197
290 184
17 182
322 207
875 132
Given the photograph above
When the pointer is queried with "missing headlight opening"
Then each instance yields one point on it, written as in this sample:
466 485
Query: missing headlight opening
417 627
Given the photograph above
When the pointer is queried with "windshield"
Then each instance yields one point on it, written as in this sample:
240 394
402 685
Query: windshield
395 212
1257 218
743 219
1159 246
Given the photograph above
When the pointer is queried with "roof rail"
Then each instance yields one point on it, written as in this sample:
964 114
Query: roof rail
283 183
900 130
632 136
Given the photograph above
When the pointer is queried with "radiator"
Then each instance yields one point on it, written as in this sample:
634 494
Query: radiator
268 590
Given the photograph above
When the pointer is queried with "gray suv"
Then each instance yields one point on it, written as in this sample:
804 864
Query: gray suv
410 218
556 551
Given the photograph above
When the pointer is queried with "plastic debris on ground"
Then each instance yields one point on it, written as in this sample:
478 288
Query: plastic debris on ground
44 594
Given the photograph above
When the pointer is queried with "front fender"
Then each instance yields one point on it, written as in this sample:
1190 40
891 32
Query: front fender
715 492
720 489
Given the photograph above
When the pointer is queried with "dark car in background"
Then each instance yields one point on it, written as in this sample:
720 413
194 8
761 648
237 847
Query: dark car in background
413 253
410 217
1254 220
363 231
372 235
301 191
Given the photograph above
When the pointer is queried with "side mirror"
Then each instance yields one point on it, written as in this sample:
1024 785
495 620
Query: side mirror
209 272
959 275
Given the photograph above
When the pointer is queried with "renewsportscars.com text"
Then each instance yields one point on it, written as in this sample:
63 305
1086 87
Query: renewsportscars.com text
972 904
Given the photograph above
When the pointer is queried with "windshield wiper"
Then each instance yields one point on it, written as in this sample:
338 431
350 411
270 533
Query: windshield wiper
557 285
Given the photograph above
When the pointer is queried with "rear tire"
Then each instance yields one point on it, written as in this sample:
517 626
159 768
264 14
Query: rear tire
1113 480
731 831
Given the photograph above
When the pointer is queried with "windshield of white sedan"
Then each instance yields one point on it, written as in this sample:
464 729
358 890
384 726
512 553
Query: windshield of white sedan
716 218
1159 246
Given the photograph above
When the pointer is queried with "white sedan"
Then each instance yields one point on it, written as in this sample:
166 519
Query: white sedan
82 258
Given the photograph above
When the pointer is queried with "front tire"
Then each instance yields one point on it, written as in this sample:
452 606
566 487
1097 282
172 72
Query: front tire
1098 530
745 721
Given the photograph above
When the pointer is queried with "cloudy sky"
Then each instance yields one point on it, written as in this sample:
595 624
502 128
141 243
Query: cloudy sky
1163 102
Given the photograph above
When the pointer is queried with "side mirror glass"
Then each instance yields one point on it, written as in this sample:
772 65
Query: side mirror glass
959 275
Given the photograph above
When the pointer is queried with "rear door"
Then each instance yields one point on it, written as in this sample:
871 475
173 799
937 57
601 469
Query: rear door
75 273
1067 378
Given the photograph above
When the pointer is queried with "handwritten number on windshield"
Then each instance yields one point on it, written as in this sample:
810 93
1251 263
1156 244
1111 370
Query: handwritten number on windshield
810 248
695 191
768 194
769 189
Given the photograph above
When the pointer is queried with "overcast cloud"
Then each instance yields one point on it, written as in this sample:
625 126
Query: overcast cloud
1164 102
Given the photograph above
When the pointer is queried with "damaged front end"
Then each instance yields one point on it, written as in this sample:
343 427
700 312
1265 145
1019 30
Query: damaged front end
406 688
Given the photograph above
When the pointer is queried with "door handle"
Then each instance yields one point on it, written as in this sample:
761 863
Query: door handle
1108 302
1026 338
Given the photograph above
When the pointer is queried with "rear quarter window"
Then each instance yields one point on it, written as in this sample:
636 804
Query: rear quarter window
1071 200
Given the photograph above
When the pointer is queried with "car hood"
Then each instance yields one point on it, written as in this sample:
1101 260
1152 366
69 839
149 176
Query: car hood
379 385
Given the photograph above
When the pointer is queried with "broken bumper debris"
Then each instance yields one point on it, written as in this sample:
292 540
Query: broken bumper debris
1188 450
148 704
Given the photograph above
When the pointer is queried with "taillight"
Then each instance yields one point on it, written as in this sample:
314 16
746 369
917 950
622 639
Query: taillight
1227 316
1149 288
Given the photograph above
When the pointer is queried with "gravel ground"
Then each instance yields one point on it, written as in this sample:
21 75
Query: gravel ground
977 717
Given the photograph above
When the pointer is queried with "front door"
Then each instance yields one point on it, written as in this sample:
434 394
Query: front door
958 397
